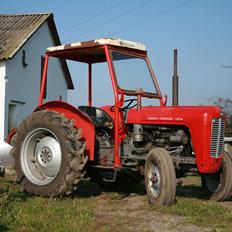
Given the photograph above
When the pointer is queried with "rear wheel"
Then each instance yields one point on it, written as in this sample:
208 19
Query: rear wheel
160 177
49 156
218 186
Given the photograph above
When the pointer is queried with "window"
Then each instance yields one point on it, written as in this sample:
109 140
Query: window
133 73
24 63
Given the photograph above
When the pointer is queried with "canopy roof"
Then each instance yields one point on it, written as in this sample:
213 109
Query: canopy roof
91 51
97 42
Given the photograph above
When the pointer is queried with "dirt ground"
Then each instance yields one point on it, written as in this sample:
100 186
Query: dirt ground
139 218
133 213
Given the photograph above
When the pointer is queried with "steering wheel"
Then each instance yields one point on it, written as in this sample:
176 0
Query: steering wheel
129 105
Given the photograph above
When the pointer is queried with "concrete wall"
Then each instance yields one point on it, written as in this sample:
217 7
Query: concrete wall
22 88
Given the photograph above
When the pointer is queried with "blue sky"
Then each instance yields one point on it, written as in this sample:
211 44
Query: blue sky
201 30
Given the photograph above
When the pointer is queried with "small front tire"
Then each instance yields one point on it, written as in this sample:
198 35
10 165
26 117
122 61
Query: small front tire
160 177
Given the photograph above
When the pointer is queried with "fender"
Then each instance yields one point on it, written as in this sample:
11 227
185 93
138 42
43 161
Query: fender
11 135
81 120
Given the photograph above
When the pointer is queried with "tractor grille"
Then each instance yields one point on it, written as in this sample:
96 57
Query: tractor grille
217 137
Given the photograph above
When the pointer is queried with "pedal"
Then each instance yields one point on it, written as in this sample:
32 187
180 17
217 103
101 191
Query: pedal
108 177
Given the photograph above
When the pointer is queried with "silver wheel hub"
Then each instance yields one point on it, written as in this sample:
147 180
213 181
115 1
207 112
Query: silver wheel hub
41 156
44 155
154 180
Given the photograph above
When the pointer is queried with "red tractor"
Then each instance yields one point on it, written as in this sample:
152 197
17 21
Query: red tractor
58 142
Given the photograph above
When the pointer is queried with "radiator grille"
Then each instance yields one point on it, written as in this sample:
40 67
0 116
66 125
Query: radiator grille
217 137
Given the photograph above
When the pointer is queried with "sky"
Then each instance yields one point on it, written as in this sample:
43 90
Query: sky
201 30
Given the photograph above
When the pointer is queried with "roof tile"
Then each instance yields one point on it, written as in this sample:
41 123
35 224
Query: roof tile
16 29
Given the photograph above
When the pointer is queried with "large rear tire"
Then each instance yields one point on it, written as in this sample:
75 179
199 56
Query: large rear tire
160 177
218 186
49 155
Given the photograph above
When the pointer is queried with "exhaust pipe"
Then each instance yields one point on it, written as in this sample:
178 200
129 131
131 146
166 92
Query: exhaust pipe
175 82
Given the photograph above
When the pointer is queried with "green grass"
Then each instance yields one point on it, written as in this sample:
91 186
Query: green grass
201 213
21 212
190 203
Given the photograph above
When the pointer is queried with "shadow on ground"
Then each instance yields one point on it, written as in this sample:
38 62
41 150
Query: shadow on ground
10 191
190 191
3 228
126 185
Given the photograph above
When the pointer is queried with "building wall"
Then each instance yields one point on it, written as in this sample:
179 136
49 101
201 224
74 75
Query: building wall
22 88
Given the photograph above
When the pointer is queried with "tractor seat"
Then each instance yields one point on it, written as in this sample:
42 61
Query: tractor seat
99 117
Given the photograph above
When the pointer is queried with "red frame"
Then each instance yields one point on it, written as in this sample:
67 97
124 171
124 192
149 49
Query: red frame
117 133
90 85
199 125
117 161
43 83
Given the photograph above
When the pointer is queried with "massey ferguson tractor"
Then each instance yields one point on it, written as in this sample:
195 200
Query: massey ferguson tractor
58 143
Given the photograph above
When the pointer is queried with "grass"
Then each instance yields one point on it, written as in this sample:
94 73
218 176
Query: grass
201 213
90 209
191 204
21 212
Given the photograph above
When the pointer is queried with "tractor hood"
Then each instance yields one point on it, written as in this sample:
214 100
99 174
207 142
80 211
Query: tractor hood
180 115
198 120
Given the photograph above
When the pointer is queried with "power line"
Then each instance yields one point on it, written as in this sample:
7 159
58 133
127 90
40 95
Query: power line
111 20
151 17
226 66
92 17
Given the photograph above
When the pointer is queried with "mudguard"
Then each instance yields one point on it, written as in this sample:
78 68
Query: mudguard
11 135
81 120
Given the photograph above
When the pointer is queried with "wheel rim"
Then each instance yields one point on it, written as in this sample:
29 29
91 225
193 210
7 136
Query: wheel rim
41 156
154 180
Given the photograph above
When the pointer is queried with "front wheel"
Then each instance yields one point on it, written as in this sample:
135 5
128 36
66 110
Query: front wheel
160 177
49 156
218 186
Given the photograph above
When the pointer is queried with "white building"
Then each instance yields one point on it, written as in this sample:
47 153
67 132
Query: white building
23 42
